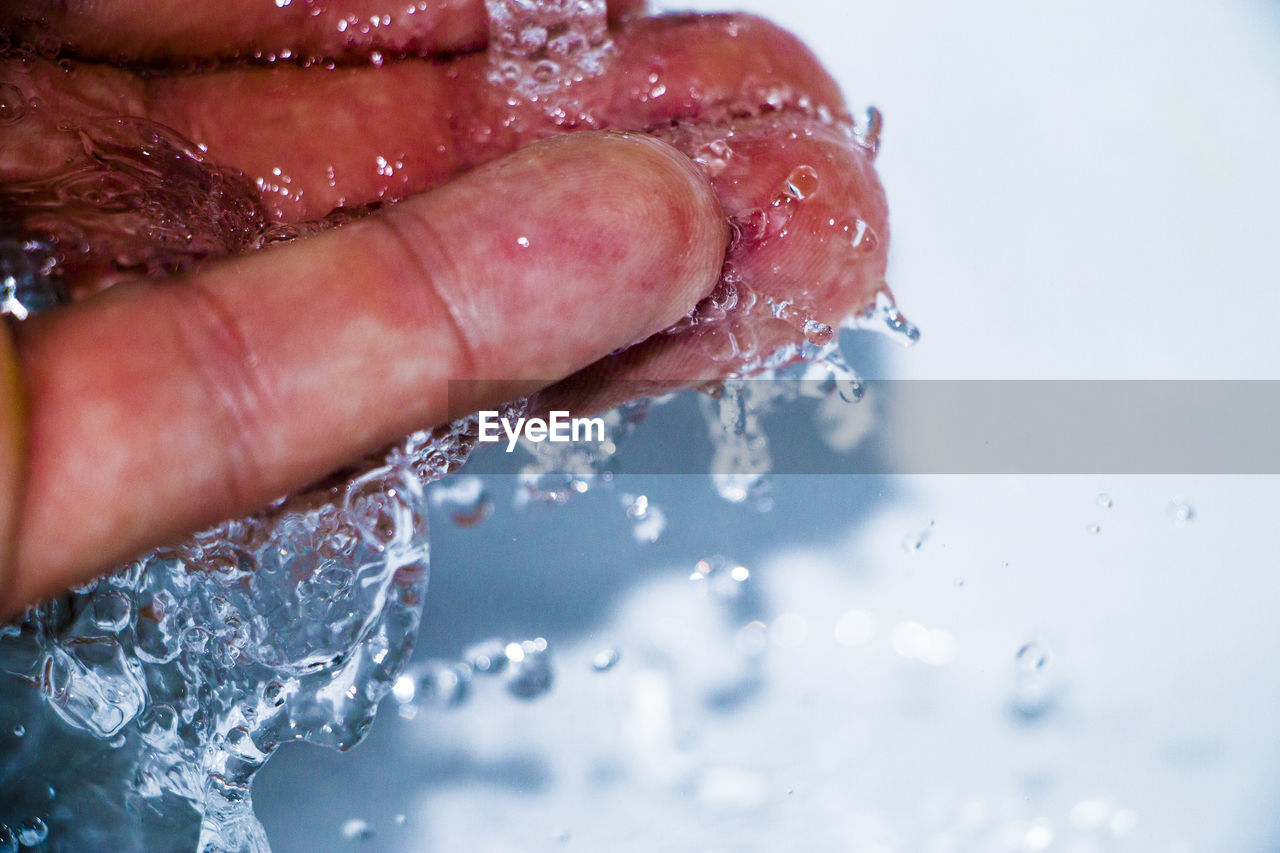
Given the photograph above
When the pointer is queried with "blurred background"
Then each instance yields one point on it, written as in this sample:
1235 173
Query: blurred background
926 663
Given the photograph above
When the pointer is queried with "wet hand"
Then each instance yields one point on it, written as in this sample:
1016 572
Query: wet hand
531 242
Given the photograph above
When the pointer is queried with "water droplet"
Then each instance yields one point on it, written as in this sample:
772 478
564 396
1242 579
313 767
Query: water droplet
531 676
1104 501
357 830
13 104
802 183
869 134
1033 657
885 317
1180 512
816 333
605 659
523 242
1095 528
32 832
913 542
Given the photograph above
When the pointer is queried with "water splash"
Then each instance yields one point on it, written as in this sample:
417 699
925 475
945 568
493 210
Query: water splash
288 625
28 284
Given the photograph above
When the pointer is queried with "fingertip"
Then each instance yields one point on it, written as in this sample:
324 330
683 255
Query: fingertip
677 219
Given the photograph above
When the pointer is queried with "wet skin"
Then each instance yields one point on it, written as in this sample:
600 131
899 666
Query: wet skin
522 248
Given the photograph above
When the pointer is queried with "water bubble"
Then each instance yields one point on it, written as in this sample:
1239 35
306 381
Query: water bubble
399 819
357 830
605 659
1104 501
1094 528
529 674
19 730
802 183
13 104
723 577
8 841
32 832
1180 512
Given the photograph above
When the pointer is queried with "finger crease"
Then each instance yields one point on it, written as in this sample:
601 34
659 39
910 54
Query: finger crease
214 342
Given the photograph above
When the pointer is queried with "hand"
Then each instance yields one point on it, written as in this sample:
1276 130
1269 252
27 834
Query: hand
516 251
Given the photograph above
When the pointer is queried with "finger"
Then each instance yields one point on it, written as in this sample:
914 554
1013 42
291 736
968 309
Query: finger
794 260
317 141
172 31
156 409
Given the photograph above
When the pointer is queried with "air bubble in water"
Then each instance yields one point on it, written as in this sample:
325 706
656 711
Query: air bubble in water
357 830
32 832
1095 528
19 730
8 841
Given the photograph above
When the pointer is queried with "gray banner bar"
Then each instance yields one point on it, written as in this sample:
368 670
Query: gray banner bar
986 427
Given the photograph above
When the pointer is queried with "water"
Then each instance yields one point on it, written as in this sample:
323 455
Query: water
180 673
